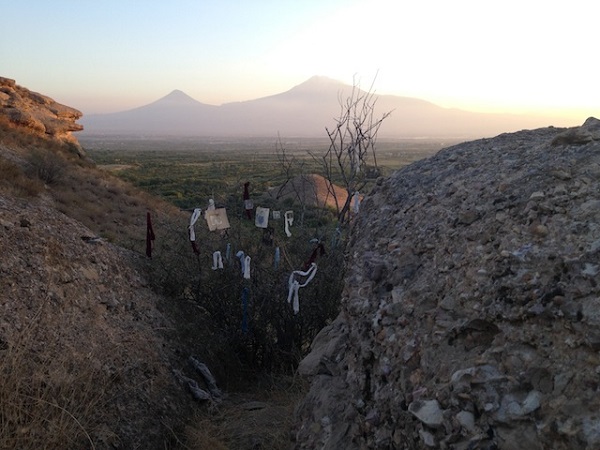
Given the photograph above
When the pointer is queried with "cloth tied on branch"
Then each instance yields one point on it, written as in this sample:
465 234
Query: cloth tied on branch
247 267
192 232
216 219
248 205
356 202
294 285
319 250
261 220
289 220
277 258
336 238
245 263
242 257
217 260
149 235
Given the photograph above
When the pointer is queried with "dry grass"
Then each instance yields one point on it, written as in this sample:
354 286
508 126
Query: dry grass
48 399
112 208
16 182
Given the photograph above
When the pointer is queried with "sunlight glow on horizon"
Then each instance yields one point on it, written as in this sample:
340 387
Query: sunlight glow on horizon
519 56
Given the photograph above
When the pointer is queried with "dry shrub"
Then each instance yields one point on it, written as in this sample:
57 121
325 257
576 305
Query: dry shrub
17 182
48 399
46 165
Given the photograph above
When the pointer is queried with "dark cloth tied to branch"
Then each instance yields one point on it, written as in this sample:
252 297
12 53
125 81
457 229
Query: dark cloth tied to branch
247 202
149 235
318 250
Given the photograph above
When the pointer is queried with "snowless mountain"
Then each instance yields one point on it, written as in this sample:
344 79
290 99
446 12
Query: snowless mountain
305 110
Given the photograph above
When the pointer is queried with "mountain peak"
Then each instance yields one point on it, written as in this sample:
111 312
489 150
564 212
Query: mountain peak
319 82
177 96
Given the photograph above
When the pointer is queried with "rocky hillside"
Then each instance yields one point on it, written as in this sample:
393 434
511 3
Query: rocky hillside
471 309
78 328
89 351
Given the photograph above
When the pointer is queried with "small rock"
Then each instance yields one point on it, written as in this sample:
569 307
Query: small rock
514 406
254 405
428 438
540 230
536 195
466 420
591 430
428 412
467 217
590 270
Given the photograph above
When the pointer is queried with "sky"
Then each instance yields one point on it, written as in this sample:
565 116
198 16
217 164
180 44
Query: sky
99 56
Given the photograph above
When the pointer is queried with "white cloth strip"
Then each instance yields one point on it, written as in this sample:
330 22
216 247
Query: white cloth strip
195 215
289 220
247 268
355 202
294 285
217 260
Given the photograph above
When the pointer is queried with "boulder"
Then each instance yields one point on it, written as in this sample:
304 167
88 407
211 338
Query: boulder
470 303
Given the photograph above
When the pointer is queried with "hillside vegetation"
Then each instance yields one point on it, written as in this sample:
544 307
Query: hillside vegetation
96 337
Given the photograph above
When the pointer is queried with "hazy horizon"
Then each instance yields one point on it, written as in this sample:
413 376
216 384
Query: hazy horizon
306 110
520 57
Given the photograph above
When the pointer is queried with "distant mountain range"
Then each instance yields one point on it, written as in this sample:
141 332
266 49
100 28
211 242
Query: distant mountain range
303 111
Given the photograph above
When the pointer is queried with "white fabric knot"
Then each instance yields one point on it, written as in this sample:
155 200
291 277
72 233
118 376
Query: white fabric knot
294 285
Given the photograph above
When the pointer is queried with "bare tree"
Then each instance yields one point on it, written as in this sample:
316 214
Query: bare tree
289 165
296 179
351 152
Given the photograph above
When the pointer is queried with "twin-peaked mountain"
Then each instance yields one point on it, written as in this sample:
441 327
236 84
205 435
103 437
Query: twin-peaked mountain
303 111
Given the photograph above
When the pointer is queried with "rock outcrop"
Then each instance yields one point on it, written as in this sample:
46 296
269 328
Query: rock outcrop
38 113
313 190
472 304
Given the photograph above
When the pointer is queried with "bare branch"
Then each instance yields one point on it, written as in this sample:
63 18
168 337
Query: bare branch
352 144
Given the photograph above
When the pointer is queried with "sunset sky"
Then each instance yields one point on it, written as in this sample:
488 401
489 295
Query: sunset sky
512 56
